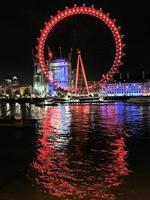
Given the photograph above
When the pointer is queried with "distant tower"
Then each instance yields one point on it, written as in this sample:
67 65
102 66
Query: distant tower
120 76
128 76
70 75
78 76
143 76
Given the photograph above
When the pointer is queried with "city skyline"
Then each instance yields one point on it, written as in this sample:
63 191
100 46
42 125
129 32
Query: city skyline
22 24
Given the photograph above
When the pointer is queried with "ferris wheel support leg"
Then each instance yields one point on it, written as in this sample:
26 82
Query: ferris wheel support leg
77 76
84 75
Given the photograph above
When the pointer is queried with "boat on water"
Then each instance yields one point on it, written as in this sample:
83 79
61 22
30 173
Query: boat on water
47 102
72 100
67 100
89 99
82 100
143 99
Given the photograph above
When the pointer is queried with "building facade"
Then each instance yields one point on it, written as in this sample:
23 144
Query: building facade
126 89
40 84
61 74
12 88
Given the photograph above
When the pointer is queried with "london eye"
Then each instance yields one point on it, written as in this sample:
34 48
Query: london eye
99 15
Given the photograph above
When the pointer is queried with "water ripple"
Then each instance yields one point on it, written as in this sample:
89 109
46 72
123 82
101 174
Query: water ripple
78 156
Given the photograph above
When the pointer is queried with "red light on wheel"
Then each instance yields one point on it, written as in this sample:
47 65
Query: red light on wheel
88 11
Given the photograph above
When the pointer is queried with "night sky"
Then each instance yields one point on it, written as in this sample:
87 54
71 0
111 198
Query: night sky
21 23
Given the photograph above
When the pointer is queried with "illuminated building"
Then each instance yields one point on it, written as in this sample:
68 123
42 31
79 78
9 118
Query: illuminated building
147 88
12 88
40 85
60 71
126 89
11 81
64 77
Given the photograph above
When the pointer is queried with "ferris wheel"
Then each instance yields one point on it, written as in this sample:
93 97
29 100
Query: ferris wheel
98 14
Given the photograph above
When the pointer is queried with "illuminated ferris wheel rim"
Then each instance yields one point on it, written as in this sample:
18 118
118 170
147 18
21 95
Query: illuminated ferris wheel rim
79 10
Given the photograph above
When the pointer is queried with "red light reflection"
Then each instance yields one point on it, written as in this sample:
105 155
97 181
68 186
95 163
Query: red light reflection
65 175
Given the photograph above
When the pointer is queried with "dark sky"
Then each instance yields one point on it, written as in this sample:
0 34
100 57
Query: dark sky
21 22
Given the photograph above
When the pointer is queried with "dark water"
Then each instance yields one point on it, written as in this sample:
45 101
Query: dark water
88 152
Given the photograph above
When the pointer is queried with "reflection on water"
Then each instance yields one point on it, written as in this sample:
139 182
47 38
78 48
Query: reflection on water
88 152
80 152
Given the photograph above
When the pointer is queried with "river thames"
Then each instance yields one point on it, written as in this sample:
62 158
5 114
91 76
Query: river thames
87 152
